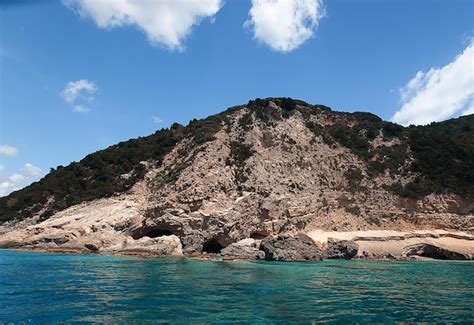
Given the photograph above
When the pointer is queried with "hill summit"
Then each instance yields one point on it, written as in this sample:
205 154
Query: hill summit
273 166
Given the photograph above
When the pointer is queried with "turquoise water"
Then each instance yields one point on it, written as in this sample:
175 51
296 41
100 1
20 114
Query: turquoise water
38 288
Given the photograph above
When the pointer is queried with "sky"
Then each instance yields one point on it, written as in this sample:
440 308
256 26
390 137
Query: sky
79 75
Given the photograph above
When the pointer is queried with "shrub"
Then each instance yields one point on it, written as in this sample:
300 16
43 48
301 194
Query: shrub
354 177
392 130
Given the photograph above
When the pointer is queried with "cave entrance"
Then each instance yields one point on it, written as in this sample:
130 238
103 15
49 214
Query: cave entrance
152 233
433 253
212 246
258 236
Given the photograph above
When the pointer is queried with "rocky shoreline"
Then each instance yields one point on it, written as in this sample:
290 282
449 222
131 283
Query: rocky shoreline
315 246
274 179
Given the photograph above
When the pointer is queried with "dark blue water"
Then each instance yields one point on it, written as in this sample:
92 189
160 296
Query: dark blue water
56 288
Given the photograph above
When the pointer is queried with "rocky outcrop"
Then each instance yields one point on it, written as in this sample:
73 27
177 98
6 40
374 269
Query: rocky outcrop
93 248
255 171
291 248
244 249
392 244
161 246
343 249
435 252
193 243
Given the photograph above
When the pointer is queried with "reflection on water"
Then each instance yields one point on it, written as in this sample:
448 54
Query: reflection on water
48 288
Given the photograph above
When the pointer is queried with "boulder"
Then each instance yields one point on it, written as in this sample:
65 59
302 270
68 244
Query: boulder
244 249
343 249
291 248
160 246
92 247
193 243
432 251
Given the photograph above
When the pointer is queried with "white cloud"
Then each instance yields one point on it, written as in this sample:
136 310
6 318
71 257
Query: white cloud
81 88
468 111
31 170
284 24
80 109
16 178
156 119
25 176
165 22
440 93
79 92
8 151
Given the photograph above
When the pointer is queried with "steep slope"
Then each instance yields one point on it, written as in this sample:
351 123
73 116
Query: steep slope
272 166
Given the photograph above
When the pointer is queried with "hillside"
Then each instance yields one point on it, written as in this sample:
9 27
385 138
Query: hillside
272 166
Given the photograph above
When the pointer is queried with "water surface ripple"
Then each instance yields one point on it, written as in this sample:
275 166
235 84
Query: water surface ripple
38 288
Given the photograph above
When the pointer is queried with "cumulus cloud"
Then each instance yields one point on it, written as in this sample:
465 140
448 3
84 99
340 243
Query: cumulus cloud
8 151
440 93
79 92
25 176
165 22
284 24
81 88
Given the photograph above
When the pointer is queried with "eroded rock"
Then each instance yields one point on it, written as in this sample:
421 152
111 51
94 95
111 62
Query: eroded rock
291 248
244 249
160 246
193 243
92 247
432 251
343 249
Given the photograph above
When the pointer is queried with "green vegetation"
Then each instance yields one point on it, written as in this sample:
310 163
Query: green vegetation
441 154
104 173
444 157
351 138
391 130
239 153
100 174
268 114
246 121
354 177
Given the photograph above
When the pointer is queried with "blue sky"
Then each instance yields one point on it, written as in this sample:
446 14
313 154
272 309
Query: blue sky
140 74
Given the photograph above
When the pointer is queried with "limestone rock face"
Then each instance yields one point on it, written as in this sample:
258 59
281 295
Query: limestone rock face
344 249
432 251
193 243
161 246
250 172
291 248
243 249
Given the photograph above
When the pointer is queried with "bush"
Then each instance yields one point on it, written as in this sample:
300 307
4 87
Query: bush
351 139
392 130
239 153
444 157
354 177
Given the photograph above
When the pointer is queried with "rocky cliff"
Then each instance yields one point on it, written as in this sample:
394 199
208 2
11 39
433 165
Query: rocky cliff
271 167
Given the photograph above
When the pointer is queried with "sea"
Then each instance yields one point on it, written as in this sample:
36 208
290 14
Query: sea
44 288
